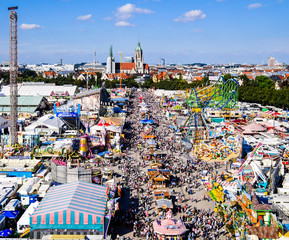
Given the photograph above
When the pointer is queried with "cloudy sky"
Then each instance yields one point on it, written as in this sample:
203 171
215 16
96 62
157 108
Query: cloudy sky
181 31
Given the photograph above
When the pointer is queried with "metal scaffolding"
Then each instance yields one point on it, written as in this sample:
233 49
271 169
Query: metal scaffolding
13 76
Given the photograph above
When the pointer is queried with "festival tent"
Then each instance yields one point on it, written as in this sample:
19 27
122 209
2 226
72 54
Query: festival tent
114 121
253 128
48 123
101 123
75 206
113 128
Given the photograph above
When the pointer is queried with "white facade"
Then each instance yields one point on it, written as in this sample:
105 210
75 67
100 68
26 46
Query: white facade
271 62
110 63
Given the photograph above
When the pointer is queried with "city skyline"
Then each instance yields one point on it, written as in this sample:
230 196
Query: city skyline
210 31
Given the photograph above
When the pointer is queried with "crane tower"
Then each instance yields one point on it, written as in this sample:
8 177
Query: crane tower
13 76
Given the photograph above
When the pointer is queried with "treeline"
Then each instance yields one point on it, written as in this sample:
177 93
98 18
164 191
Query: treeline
262 90
32 76
176 84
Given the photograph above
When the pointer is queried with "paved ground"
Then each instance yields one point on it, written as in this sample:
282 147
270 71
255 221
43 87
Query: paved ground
195 200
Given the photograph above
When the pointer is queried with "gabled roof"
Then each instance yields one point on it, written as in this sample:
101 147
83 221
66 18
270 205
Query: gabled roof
160 173
77 196
50 73
22 101
127 66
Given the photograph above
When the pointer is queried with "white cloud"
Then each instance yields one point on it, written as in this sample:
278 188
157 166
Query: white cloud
84 17
254 5
220 0
26 26
123 24
191 16
126 11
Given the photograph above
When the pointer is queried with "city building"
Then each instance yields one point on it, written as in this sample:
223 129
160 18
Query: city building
131 66
271 62
110 63
89 100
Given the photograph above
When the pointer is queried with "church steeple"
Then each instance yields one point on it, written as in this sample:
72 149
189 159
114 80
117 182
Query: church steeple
110 51
138 59
138 48
110 63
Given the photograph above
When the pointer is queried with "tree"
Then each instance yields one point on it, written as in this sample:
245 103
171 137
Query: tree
227 76
264 82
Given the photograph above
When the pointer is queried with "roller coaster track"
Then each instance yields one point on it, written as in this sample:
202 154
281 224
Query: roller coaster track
222 95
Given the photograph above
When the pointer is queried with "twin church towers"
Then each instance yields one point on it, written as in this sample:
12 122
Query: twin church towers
132 66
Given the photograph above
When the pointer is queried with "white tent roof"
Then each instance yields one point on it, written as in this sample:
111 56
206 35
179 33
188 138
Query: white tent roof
50 121
25 218
41 89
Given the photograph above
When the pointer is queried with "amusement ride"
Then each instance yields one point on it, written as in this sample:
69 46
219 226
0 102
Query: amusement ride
223 95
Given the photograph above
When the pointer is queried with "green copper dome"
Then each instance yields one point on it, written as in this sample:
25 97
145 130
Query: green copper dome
138 48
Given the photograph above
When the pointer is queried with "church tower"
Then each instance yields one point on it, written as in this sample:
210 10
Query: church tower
110 63
138 59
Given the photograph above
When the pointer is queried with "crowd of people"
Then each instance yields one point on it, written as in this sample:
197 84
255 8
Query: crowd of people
137 212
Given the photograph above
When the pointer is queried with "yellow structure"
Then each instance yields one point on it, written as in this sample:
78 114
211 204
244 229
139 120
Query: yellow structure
83 148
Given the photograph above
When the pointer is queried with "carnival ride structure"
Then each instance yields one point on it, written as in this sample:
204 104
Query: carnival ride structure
262 185
217 193
223 95
228 148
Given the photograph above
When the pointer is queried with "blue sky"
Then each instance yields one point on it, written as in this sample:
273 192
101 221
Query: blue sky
181 31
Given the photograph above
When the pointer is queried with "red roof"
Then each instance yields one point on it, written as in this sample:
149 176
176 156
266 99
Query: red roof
127 66
50 73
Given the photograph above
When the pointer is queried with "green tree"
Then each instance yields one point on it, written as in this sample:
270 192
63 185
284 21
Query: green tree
227 76
264 82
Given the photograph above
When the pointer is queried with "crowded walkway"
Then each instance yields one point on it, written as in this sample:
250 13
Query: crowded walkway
191 202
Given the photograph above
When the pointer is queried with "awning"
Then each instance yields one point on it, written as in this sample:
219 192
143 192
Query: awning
119 99
147 121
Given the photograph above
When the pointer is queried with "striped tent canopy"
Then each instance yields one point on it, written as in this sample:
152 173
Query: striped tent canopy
77 205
